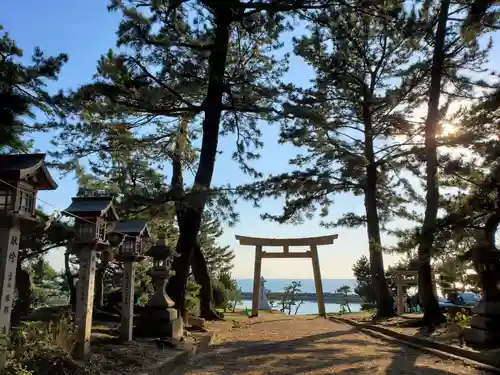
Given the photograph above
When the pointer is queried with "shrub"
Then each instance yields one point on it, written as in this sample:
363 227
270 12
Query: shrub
221 295
43 348
193 297
15 368
226 292
456 320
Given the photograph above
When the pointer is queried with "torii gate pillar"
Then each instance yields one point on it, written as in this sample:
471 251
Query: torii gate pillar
286 243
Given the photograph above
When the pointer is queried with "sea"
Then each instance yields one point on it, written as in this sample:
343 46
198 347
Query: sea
308 307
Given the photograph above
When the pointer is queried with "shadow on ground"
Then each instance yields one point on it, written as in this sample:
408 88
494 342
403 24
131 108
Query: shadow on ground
342 351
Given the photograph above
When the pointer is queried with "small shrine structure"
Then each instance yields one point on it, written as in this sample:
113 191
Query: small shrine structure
404 279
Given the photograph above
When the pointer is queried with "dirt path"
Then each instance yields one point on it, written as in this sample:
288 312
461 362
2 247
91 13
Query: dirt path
313 346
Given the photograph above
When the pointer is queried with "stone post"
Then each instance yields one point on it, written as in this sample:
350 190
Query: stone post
85 302
9 248
400 304
127 318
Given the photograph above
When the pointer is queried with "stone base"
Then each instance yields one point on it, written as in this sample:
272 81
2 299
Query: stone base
487 308
162 323
196 321
485 325
81 350
476 337
486 322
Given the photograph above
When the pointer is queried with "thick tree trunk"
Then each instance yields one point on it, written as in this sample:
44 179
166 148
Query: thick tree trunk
198 263
384 298
202 277
432 315
22 306
212 106
70 280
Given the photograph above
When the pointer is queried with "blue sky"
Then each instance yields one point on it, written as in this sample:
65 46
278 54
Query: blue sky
85 30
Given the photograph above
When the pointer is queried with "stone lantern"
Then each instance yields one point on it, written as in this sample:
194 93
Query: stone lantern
131 238
21 177
484 330
93 218
159 318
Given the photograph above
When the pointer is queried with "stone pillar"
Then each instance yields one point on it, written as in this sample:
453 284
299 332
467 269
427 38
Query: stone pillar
256 280
85 302
9 248
318 284
400 303
127 318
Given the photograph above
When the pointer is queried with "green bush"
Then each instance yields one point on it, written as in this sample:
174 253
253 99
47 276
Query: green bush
226 292
193 297
221 294
39 348
15 368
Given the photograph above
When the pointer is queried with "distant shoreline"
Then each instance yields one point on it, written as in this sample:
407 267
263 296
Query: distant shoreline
270 278
329 297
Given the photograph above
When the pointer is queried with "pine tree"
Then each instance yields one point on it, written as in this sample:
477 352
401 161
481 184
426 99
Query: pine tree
219 258
208 58
22 89
347 122
365 288
451 57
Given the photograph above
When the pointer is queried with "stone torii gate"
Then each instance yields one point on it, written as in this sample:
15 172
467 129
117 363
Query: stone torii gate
286 243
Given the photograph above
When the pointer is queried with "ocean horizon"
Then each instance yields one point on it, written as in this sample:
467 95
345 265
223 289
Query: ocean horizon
278 285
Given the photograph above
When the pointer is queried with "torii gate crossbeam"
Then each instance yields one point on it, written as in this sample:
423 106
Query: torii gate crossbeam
286 243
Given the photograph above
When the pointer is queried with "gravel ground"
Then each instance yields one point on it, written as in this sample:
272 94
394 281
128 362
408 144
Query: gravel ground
313 346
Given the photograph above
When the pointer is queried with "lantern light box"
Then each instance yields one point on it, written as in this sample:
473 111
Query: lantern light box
24 175
93 218
131 236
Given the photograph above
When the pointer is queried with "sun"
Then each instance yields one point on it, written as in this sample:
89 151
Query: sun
448 129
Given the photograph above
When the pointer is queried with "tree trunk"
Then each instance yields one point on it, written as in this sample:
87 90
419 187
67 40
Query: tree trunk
22 306
99 287
432 315
70 280
202 277
384 298
212 106
105 258
198 263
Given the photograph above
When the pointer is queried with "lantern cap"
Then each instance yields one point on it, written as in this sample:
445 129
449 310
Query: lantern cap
93 206
24 166
133 228
160 250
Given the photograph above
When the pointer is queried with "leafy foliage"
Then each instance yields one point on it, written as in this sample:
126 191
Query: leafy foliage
39 348
289 299
22 91
219 258
344 305
364 287
227 292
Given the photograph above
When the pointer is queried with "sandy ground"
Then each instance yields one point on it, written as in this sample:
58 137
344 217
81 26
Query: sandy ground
307 345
